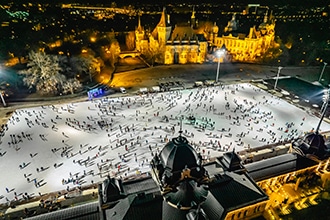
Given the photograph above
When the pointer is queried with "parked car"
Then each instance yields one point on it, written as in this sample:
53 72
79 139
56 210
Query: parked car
122 90
198 84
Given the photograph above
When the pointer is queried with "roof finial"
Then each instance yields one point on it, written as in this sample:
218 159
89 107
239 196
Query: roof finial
180 132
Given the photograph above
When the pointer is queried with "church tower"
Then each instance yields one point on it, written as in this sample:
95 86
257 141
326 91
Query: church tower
164 28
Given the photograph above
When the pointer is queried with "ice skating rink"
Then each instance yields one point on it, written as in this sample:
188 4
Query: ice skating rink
56 147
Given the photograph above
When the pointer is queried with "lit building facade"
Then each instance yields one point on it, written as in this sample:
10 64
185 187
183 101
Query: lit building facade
182 187
173 45
246 47
181 44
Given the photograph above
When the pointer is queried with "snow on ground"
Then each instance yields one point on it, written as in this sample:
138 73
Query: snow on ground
50 148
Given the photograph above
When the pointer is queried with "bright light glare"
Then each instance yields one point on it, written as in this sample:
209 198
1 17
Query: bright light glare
219 53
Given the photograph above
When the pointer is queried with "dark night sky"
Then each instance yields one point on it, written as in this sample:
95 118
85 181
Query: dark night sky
164 2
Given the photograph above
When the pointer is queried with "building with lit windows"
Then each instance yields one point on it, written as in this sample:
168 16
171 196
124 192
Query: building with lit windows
246 47
181 44
182 187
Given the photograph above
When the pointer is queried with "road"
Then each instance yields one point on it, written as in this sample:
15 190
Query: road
190 73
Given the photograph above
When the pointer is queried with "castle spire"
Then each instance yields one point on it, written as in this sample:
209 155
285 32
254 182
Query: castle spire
139 28
193 13
164 19
193 17
266 17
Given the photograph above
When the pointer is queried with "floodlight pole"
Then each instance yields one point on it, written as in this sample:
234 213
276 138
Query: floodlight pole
278 75
219 53
3 99
324 111
322 71
218 70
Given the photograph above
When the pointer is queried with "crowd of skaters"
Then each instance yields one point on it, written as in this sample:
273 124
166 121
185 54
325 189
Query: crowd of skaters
74 144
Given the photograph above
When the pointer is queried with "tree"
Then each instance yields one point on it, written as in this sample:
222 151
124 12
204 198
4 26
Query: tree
155 52
43 73
130 40
109 48
114 52
71 85
79 66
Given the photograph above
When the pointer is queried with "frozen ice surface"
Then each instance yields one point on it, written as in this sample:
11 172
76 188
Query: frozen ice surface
50 148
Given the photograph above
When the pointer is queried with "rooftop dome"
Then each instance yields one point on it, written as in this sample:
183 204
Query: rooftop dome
178 155
176 162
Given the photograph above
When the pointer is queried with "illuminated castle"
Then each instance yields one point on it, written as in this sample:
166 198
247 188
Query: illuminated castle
181 44
246 47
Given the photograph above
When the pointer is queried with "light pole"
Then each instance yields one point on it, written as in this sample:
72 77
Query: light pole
278 75
322 71
2 92
3 99
325 103
219 53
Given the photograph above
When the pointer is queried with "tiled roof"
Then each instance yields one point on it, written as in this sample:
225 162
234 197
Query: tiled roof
145 206
145 185
234 191
87 211
183 33
271 167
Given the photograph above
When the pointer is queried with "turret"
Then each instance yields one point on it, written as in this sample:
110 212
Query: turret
139 35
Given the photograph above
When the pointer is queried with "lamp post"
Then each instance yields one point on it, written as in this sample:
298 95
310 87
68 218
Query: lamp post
2 92
322 71
278 75
219 53
325 103
3 99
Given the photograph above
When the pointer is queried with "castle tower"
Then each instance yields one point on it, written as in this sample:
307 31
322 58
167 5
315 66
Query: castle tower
139 35
266 17
164 28
214 34
232 25
193 18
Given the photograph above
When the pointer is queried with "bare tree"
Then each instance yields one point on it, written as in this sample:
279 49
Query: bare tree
71 86
155 53
114 51
130 40
43 73
85 65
